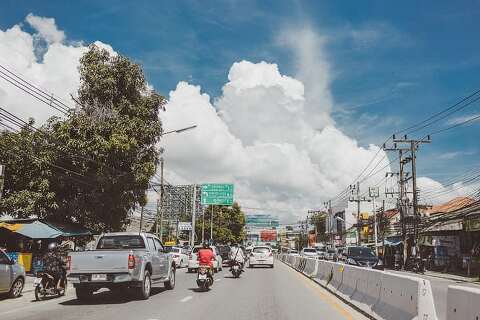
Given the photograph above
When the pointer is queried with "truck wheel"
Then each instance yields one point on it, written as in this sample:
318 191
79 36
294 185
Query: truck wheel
83 294
170 284
146 286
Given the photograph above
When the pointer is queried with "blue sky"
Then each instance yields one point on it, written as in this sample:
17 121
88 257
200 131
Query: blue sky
393 63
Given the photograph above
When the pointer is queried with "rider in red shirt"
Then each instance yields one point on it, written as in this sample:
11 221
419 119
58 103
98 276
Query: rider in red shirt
206 256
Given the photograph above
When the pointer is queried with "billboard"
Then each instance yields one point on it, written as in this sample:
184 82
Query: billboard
268 235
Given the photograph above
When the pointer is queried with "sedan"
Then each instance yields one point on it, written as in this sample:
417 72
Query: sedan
180 256
309 253
193 260
12 276
362 257
261 255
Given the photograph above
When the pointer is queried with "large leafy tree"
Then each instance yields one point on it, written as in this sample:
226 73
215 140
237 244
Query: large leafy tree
228 224
94 166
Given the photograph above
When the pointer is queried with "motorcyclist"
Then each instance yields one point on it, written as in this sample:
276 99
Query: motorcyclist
54 265
206 256
236 255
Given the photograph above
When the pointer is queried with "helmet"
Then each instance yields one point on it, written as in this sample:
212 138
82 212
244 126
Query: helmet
205 245
52 246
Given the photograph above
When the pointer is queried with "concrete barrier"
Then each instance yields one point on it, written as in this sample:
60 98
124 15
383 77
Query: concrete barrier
310 267
380 294
463 303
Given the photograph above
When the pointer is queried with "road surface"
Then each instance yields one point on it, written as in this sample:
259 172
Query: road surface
261 293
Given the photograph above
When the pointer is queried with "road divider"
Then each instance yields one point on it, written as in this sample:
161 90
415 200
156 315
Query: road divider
379 294
463 303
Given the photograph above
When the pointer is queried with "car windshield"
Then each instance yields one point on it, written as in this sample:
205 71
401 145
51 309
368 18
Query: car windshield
361 252
321 249
261 250
121 242
331 251
309 250
172 249
294 251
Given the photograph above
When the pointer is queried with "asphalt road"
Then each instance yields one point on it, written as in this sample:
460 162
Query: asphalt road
261 293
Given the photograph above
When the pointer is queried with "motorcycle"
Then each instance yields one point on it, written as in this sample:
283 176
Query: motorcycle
204 278
416 264
45 286
236 268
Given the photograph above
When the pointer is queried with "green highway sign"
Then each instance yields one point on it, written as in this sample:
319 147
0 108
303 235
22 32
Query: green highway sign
217 194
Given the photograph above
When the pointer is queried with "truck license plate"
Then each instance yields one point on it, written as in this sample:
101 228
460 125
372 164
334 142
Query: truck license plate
99 277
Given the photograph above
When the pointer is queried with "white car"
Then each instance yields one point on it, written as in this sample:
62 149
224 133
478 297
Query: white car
193 261
260 255
310 253
180 256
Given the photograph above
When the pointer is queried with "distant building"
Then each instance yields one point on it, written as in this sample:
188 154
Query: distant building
261 228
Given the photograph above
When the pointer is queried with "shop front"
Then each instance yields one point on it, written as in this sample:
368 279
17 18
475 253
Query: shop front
26 240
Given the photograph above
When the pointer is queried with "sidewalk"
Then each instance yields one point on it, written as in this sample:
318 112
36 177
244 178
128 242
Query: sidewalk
453 277
28 287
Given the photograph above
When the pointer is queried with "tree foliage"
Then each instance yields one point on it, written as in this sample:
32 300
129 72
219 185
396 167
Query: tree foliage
228 224
94 166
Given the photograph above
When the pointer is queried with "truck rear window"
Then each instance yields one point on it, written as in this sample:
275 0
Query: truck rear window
121 242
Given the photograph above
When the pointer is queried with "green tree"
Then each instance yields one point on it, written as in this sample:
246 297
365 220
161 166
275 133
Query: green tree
228 224
94 166
318 219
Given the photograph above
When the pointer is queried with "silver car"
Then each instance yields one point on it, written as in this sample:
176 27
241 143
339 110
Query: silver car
12 276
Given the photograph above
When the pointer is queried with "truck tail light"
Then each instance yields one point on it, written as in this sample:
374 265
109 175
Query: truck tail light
69 263
131 261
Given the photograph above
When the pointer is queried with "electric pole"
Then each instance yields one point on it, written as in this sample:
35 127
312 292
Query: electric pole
374 193
2 179
160 206
411 146
211 226
358 200
194 202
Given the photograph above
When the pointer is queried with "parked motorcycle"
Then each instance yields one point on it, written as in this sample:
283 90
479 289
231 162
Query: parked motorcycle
416 264
204 278
45 286
236 268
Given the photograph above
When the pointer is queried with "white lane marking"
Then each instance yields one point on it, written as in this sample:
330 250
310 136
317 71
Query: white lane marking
186 299
218 279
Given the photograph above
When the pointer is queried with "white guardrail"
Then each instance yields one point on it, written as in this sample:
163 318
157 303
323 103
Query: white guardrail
463 303
380 294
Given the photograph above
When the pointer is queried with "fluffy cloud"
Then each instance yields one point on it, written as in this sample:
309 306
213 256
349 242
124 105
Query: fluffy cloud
433 192
54 70
271 134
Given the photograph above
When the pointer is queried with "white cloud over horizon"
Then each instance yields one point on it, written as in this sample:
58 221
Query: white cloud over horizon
271 134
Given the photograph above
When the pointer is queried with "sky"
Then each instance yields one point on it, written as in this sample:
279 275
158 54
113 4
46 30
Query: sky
292 98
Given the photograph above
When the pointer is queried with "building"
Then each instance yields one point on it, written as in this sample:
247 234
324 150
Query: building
261 228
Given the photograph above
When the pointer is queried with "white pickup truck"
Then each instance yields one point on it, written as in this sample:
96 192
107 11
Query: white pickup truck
122 260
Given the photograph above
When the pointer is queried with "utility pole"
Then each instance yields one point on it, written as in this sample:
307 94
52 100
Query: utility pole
411 146
211 226
194 201
203 226
374 193
358 200
161 199
141 221
2 179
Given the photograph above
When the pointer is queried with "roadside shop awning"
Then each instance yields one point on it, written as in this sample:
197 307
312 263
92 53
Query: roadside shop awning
32 229
69 229
36 229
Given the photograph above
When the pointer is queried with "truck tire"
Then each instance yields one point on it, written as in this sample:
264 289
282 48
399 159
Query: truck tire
170 284
83 294
145 287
